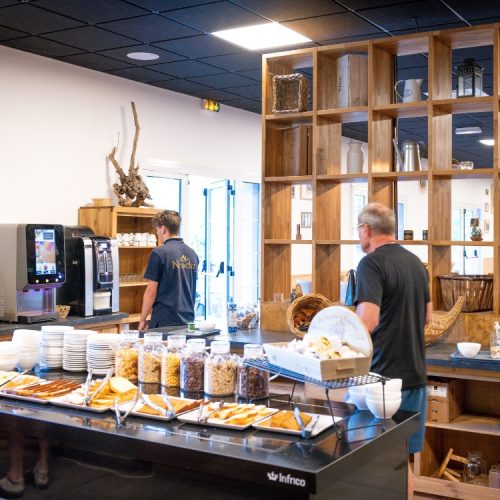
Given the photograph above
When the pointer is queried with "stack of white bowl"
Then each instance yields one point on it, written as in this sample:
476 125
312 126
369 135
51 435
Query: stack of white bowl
51 347
75 350
9 355
28 342
374 397
101 349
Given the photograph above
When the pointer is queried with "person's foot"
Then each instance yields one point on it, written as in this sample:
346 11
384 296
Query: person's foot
39 478
11 489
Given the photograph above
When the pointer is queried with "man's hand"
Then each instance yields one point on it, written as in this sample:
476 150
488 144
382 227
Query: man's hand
143 324
147 303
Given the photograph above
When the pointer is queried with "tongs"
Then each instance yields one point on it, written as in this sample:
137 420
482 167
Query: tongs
170 406
203 420
87 400
166 412
12 378
120 419
304 431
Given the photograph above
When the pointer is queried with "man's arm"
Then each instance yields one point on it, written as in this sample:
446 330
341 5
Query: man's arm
428 313
147 303
369 313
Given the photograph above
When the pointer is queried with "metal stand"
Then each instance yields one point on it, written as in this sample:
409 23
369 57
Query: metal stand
369 378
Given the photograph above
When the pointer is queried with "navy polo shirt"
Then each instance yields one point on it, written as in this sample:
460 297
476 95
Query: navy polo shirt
174 267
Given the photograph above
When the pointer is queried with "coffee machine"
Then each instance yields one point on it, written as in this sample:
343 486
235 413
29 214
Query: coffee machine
32 266
92 275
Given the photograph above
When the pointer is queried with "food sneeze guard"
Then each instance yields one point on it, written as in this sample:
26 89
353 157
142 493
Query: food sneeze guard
31 268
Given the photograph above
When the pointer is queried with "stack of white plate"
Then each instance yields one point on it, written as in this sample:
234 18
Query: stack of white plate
101 352
9 355
28 342
75 350
51 347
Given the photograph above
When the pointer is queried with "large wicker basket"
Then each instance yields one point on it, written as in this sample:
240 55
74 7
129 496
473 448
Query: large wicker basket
441 322
290 93
303 309
476 289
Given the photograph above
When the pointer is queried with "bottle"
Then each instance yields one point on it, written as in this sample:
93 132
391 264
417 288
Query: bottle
495 342
232 317
127 355
220 370
252 382
192 366
475 469
355 158
246 317
171 361
150 358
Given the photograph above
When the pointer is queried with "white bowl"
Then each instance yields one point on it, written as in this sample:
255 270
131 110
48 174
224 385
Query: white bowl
206 326
27 362
8 365
378 393
358 397
469 349
388 397
392 385
377 407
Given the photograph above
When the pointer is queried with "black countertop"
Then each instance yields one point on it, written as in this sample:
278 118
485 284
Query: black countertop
447 355
6 328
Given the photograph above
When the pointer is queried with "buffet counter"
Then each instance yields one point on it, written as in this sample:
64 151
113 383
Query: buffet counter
367 461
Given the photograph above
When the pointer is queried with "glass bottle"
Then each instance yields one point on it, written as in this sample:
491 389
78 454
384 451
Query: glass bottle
192 366
127 355
150 358
475 469
252 382
495 342
232 317
246 317
171 361
220 370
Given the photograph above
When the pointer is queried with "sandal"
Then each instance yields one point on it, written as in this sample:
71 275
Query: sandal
39 478
11 489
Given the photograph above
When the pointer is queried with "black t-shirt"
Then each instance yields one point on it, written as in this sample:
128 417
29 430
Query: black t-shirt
396 280
174 267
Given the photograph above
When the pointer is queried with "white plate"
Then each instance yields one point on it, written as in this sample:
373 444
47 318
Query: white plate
24 398
125 406
324 422
62 401
192 418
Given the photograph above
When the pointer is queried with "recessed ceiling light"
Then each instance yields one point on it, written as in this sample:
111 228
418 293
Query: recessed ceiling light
262 36
468 130
487 142
143 56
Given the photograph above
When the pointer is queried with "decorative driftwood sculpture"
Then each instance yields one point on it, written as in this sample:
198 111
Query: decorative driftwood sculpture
132 190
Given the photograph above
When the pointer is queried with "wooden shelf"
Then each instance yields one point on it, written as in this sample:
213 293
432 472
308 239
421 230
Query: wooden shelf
337 242
290 179
413 242
449 489
123 247
471 423
344 115
343 177
450 243
456 173
127 284
403 110
400 176
137 212
304 117
133 318
465 104
287 242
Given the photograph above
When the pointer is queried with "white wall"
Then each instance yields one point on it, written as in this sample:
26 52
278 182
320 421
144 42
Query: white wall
60 121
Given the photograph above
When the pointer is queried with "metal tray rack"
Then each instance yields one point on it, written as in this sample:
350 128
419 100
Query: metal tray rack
369 378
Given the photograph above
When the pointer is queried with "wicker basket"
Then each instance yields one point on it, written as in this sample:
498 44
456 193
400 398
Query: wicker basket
441 322
477 290
303 309
63 311
290 93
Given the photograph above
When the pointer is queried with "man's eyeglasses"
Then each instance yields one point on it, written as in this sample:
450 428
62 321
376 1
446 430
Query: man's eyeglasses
361 225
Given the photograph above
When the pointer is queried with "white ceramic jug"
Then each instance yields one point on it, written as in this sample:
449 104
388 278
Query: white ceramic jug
355 158
411 92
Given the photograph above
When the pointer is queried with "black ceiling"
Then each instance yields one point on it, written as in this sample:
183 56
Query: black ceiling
98 34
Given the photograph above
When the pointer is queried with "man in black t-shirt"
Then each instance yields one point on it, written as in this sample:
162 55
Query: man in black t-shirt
171 274
392 298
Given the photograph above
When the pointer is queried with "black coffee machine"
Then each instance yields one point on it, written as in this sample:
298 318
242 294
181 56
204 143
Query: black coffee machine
92 274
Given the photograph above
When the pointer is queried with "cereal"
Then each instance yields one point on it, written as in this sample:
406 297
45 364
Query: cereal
126 363
191 373
220 376
170 369
252 383
149 367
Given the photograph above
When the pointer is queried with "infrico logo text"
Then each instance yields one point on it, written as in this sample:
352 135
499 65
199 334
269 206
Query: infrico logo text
288 479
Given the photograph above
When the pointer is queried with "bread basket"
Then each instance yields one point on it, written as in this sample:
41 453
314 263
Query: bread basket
303 309
63 311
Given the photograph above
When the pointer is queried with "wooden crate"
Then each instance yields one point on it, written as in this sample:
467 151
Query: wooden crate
445 400
290 93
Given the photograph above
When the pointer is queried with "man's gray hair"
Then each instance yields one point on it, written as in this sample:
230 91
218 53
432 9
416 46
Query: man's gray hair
379 218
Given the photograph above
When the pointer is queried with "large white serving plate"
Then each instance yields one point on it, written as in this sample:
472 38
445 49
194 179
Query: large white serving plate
124 407
63 401
192 418
24 398
324 422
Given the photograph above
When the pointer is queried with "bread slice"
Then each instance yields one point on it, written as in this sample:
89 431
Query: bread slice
121 385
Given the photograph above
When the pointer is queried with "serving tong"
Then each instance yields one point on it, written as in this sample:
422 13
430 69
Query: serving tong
203 420
13 377
86 399
304 431
120 419
169 411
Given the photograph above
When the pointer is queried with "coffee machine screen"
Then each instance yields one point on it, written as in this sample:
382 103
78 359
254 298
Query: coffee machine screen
45 251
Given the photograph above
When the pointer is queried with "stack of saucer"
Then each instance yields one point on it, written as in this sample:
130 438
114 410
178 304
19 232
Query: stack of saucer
75 350
101 352
51 347
28 342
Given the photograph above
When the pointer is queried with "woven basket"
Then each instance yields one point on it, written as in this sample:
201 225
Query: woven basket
63 311
441 322
290 93
477 290
303 309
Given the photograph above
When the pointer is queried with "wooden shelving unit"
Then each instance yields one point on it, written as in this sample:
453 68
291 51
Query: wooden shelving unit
286 163
108 221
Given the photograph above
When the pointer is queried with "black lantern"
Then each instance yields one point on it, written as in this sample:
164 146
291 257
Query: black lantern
470 79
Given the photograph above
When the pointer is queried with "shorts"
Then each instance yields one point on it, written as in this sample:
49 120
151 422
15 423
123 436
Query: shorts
416 400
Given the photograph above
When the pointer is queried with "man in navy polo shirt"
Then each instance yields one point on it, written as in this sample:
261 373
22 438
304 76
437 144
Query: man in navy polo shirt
171 274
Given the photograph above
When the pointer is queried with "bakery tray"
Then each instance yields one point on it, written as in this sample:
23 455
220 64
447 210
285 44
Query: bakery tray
24 398
62 401
124 407
324 422
483 355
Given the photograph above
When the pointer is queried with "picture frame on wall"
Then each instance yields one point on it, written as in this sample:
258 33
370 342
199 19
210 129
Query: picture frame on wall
305 220
306 192
486 226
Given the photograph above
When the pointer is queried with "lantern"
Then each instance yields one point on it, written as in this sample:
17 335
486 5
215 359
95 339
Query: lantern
470 79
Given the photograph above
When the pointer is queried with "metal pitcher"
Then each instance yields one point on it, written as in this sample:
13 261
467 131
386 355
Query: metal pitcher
408 158
411 91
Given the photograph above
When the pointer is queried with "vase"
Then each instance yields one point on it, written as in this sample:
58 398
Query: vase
355 158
